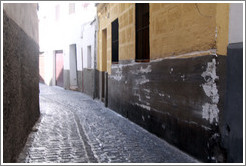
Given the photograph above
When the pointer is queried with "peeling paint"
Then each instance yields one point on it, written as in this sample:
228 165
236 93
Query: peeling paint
163 95
142 80
183 77
147 90
206 128
142 70
171 70
143 118
163 126
145 70
210 111
143 106
118 74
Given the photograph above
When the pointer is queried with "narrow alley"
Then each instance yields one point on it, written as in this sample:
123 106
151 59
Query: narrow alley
87 82
73 128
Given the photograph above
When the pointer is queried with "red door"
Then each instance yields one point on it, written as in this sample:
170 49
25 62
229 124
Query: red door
59 69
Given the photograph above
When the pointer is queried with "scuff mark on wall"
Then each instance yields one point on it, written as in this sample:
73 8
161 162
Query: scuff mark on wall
137 95
210 111
142 70
143 106
118 73
183 77
145 70
147 90
142 80
171 70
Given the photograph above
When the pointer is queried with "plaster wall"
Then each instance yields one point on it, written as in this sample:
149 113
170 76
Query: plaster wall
175 29
20 77
88 39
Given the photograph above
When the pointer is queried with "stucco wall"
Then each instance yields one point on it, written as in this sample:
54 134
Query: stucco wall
182 89
107 13
175 29
20 77
222 28
181 28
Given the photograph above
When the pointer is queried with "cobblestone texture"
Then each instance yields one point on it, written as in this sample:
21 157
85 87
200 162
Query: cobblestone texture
73 128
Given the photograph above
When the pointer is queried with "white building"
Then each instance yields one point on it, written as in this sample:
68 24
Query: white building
67 39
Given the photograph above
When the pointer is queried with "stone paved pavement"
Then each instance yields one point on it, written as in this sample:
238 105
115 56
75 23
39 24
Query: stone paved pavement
73 128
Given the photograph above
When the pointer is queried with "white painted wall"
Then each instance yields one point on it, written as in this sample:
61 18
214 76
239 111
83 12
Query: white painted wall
18 13
236 23
88 32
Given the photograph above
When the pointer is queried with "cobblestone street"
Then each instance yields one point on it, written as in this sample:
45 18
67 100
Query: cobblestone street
73 128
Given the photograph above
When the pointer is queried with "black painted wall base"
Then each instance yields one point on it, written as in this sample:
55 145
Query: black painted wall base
232 119
180 100
66 79
88 81
80 79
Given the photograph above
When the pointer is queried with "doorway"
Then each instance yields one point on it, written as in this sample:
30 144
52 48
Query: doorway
59 68
73 67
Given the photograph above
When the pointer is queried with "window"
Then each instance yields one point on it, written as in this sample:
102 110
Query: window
71 8
115 41
142 32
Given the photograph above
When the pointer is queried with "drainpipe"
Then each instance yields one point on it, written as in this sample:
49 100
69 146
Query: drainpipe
95 56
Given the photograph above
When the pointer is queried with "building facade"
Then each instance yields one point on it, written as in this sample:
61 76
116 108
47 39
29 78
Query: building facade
88 56
20 76
67 47
164 66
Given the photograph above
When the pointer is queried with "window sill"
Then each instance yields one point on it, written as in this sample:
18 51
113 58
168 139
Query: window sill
142 60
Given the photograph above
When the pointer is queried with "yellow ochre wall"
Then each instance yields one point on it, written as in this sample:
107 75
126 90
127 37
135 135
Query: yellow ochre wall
175 29
107 13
